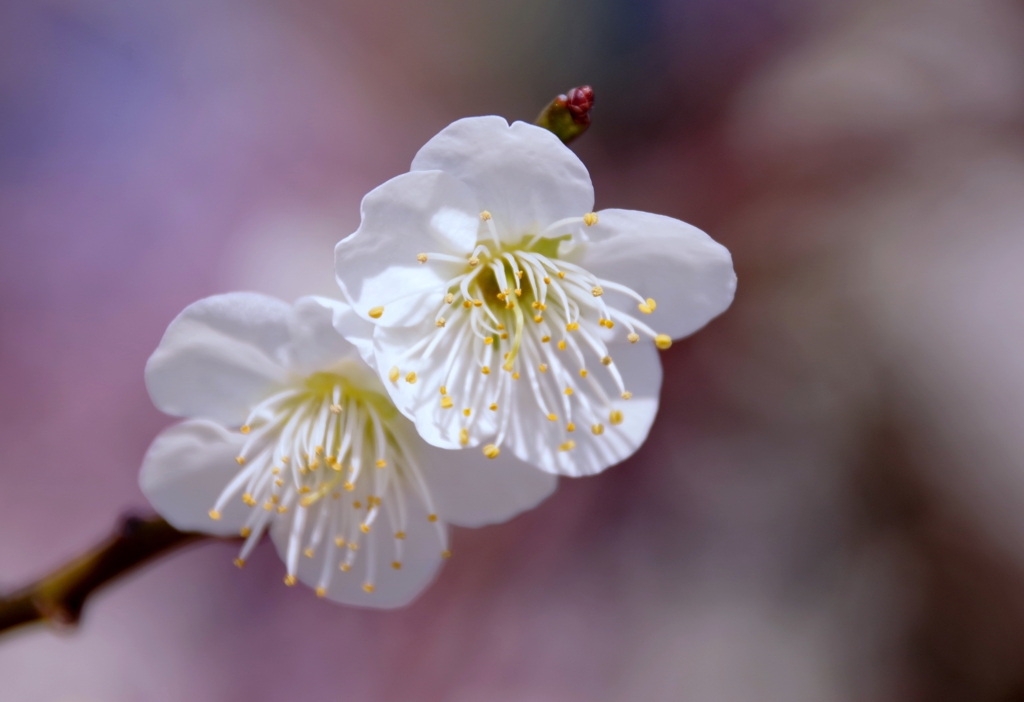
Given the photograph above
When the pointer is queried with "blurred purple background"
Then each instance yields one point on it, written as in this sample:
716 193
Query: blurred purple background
831 504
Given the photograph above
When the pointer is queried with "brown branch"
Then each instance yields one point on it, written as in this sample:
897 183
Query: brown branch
58 597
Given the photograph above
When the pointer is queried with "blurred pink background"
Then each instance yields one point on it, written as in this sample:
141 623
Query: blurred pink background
831 504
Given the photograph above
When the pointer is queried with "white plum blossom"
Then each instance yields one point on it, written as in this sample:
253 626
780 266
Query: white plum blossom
508 313
289 430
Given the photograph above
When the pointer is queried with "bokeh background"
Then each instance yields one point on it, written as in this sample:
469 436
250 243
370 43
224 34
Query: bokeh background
831 503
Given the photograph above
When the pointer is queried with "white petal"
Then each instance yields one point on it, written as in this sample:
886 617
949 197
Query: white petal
414 213
522 174
687 273
356 330
421 558
184 471
220 356
315 343
536 440
420 401
472 490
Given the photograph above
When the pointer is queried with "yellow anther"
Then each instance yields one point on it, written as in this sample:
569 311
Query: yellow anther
321 591
597 291
500 296
444 390
376 312
473 261
422 258
410 377
268 506
506 354
547 280
567 446
507 367
609 323
467 411
275 499
489 340
486 370
626 395
431 517
344 567
615 417
519 274
464 436
553 417
381 463
515 376
597 429
240 460
449 298
247 499
352 546
308 553
285 459
535 305
652 304
545 339
368 587
543 368
583 372
446 402
477 303
568 391
440 321
335 409
570 427
240 562
663 341
467 304
519 292
282 509
446 554
396 565
349 486
590 219
543 307
244 532
365 528
538 319
645 308
339 541
289 580
357 504
561 345
245 429
633 338
485 215
561 274
491 451
494 407
318 450
504 335
214 515
572 326
501 327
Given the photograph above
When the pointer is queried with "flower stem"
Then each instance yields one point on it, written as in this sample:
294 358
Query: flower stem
58 598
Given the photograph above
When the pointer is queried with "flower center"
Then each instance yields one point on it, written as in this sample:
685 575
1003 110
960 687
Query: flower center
523 310
327 454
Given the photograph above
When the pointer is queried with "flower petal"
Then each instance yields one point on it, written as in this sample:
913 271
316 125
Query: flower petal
184 472
220 356
315 343
421 558
687 273
471 490
401 349
542 443
522 174
414 213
